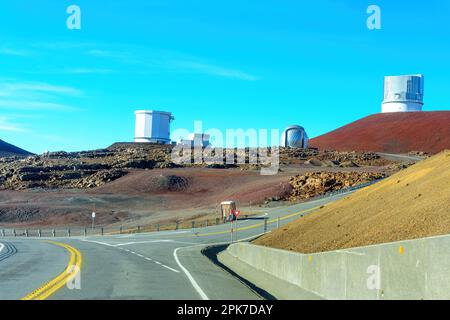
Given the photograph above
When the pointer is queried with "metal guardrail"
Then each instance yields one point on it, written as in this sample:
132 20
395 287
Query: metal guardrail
102 230
346 190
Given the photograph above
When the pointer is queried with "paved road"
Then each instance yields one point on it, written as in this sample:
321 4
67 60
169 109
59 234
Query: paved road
401 157
163 265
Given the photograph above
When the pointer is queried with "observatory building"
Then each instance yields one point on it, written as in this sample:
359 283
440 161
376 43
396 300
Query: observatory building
295 137
403 93
153 126
196 140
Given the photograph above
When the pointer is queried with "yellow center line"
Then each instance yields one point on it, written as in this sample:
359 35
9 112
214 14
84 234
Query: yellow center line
51 287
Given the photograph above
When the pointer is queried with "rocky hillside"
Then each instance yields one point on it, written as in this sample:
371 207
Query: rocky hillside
90 169
313 184
79 170
410 204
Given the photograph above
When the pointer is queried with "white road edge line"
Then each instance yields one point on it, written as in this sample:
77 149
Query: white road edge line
2 246
171 269
352 252
191 279
140 242
160 233
98 242
132 252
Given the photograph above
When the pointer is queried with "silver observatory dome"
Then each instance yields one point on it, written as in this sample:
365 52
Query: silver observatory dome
295 137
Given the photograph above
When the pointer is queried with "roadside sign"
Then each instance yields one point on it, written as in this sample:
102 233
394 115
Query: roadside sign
93 219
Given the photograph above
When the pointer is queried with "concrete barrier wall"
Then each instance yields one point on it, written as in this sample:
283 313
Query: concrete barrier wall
416 269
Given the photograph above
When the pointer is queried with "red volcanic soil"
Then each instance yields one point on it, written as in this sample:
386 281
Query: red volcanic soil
391 133
148 196
153 194
196 187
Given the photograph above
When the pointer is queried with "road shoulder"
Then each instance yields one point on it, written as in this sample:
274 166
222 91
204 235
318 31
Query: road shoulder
213 280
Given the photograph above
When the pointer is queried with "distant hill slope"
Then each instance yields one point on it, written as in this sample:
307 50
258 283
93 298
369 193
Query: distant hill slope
391 133
414 203
8 150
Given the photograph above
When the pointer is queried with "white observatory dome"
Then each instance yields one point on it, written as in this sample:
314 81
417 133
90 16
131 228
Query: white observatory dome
403 93
153 126
295 137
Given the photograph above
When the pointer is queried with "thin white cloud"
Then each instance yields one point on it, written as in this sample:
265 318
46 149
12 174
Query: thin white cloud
215 70
15 88
146 60
36 96
62 45
87 71
125 57
161 59
33 105
6 125
14 52
103 53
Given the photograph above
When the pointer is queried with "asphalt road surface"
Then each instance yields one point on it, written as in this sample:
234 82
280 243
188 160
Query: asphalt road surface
161 265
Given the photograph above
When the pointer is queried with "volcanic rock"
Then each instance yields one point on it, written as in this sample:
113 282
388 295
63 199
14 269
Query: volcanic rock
313 184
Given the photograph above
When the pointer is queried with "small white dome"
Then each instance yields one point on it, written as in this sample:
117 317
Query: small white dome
295 137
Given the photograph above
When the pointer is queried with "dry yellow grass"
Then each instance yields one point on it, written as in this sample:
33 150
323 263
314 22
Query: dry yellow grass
411 204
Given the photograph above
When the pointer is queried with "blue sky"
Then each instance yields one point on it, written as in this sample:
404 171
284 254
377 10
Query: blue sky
232 64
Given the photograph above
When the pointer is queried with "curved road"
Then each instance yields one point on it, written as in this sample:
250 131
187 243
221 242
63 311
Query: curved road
163 265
